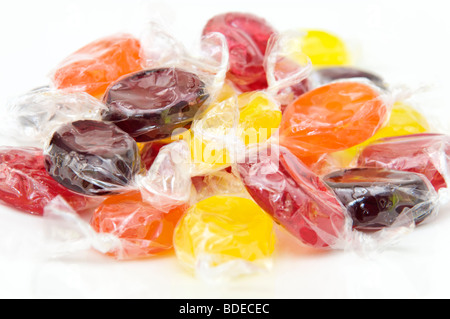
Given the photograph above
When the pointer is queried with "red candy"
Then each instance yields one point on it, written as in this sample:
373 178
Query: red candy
26 185
294 196
142 229
247 37
427 154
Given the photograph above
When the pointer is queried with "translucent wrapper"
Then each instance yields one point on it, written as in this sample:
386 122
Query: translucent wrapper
210 60
174 85
294 196
33 117
321 217
287 67
247 36
137 223
222 130
427 154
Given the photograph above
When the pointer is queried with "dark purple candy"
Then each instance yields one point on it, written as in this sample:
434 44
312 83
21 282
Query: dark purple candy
326 75
92 157
150 104
375 197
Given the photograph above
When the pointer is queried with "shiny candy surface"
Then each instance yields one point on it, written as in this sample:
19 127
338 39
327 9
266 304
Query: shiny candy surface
221 229
151 104
26 185
427 154
247 37
332 117
375 197
94 67
295 197
92 157
143 230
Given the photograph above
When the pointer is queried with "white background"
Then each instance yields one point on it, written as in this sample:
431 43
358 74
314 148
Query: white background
405 41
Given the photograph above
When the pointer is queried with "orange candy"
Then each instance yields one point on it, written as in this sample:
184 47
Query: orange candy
143 230
332 117
94 67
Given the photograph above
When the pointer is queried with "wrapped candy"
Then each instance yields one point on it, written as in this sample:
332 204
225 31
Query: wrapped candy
247 36
427 154
142 229
137 223
224 235
94 67
149 105
332 117
152 103
224 129
375 197
293 195
82 153
92 157
26 185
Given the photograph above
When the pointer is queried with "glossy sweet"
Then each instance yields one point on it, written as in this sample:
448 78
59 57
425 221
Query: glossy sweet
324 48
222 229
375 197
149 105
247 36
94 67
92 157
403 120
295 197
142 229
332 117
427 154
324 76
26 185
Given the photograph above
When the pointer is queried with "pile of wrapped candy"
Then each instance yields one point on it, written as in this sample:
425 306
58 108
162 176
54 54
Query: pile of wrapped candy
139 146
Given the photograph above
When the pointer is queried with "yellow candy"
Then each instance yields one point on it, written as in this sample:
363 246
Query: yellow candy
222 229
404 120
259 117
323 48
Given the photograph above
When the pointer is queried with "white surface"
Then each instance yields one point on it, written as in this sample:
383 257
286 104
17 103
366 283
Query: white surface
405 41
